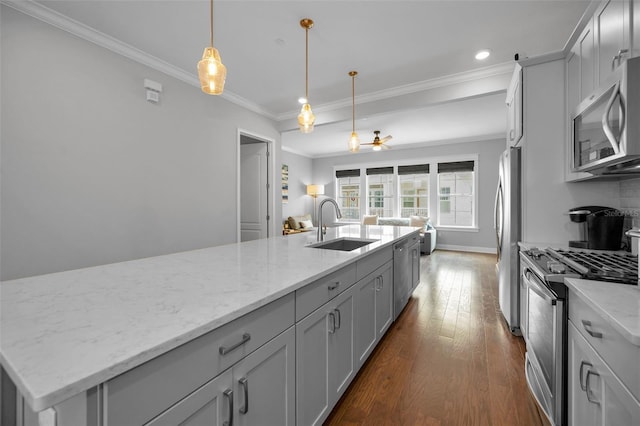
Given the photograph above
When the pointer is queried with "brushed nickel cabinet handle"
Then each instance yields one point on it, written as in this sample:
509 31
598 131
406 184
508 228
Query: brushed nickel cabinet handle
337 311
229 395
244 384
245 338
587 326
590 395
334 285
333 322
582 364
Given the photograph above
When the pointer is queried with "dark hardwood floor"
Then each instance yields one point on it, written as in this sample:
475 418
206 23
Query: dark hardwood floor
449 359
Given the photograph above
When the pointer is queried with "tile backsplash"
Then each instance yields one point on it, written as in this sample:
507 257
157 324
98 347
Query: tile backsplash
630 199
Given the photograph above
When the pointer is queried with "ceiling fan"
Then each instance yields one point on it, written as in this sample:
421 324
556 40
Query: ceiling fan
378 143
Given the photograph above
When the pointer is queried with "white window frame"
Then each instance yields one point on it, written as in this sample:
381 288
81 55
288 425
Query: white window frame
433 205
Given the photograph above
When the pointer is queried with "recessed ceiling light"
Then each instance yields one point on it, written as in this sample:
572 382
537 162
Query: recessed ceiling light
483 54
302 100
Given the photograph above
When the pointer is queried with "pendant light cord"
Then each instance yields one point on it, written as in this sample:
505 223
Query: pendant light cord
306 75
211 22
353 103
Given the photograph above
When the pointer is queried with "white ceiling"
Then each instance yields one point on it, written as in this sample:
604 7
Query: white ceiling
398 47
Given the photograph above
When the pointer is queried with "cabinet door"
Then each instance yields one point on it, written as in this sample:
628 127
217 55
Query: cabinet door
612 26
596 395
415 265
587 60
211 404
265 384
312 367
366 334
514 108
573 81
341 345
384 301
581 410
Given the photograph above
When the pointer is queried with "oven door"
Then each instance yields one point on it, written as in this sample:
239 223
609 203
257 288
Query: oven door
545 342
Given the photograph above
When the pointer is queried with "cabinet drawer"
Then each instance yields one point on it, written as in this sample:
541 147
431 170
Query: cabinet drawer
316 294
373 261
136 396
621 355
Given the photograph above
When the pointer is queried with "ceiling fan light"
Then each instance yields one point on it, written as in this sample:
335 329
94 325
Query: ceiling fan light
354 142
306 119
211 72
377 147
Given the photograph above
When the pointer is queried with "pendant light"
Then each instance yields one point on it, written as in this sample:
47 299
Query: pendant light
354 141
211 71
306 117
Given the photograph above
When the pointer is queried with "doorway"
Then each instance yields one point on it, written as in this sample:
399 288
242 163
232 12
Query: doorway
255 190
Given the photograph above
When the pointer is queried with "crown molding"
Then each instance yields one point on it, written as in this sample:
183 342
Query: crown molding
60 21
448 80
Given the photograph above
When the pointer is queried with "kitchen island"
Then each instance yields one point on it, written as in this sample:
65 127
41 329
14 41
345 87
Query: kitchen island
65 333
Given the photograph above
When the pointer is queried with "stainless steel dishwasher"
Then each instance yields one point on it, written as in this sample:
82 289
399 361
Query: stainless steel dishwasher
401 276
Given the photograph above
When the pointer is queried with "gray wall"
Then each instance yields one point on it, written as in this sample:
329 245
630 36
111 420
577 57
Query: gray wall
488 156
300 175
91 172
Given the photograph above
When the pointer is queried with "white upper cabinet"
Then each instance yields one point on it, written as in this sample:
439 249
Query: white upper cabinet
612 27
514 108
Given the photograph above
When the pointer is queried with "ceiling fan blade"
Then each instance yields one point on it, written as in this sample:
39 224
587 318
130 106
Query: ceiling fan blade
385 146
386 138
367 144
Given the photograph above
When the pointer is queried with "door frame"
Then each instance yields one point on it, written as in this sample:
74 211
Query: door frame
271 194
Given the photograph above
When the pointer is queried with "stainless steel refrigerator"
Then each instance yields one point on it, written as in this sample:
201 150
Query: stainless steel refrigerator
507 220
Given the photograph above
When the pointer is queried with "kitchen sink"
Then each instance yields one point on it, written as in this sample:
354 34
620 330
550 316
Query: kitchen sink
342 244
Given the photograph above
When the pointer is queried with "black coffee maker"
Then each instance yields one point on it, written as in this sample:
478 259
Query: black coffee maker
600 227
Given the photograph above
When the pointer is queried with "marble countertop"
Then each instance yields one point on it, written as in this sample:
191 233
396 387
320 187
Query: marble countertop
618 304
63 333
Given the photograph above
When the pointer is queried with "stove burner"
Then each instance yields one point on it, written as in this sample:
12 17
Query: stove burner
603 266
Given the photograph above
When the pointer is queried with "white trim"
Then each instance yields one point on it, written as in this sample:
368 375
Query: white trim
293 151
60 21
457 228
489 250
434 83
271 143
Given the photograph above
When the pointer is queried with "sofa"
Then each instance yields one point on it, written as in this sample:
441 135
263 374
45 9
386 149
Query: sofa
428 233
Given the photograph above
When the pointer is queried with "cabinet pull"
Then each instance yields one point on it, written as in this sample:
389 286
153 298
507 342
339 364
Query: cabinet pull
333 322
618 58
245 338
587 326
512 134
379 283
229 395
582 364
337 311
335 285
244 384
590 395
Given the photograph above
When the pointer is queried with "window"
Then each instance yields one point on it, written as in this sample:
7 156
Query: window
413 182
456 193
380 191
348 186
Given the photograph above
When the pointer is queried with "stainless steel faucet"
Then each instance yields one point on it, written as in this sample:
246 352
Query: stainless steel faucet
322 229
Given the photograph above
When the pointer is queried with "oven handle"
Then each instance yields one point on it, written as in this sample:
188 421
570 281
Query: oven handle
534 283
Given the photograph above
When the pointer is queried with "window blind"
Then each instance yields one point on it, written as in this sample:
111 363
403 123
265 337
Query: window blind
347 173
456 166
414 169
380 171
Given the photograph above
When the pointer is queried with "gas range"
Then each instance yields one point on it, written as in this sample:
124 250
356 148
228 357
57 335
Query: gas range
555 265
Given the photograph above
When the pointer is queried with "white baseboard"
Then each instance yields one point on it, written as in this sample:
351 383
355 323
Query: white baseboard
490 250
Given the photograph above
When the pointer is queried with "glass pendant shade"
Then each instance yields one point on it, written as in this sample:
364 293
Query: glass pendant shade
211 72
306 119
354 142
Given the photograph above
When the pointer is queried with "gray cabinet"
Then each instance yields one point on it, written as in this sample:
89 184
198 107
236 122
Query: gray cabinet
596 395
374 310
212 404
325 358
258 390
414 252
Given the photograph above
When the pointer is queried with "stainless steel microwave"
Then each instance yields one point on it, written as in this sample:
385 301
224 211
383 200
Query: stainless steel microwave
606 126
